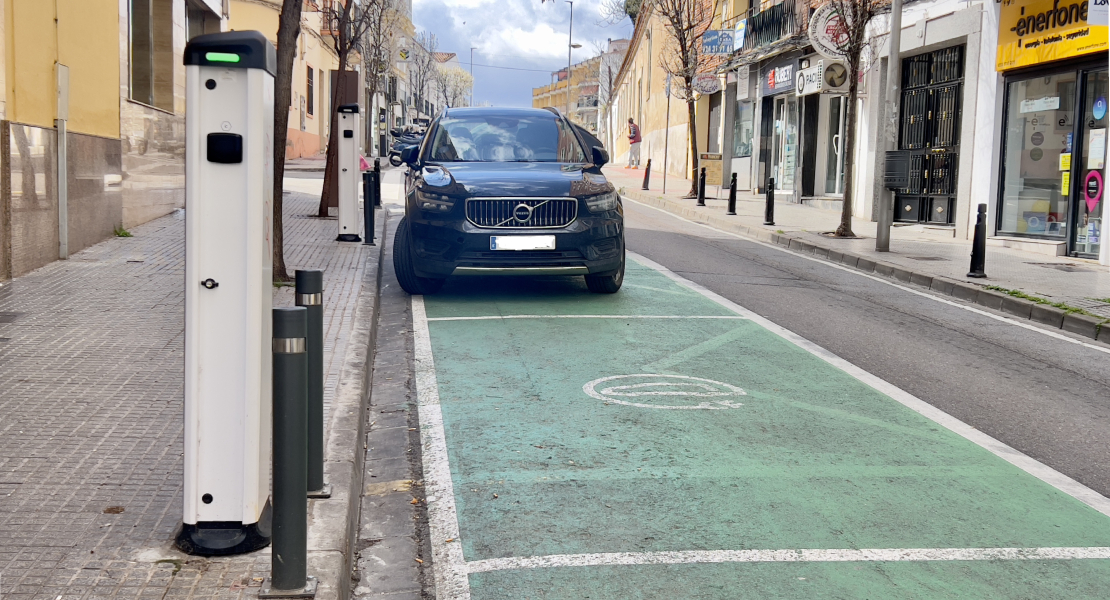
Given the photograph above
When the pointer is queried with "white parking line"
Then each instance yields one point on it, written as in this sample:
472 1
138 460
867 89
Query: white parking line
882 280
500 317
800 555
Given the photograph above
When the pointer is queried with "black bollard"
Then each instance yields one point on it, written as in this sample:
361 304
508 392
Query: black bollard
369 201
979 245
701 188
647 175
377 182
288 570
732 196
310 294
769 210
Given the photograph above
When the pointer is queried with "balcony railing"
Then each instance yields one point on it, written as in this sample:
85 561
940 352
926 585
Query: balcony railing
780 21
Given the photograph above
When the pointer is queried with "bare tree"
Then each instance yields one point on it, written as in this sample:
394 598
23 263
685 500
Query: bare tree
289 28
423 66
854 42
453 86
348 22
615 11
377 47
684 21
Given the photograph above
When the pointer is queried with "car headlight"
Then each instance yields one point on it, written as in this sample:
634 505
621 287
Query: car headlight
435 203
602 202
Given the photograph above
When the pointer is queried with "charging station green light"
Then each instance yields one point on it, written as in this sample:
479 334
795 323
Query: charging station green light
225 57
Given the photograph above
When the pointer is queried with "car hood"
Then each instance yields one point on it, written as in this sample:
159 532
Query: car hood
517 179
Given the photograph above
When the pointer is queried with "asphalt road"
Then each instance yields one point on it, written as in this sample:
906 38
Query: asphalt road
1043 396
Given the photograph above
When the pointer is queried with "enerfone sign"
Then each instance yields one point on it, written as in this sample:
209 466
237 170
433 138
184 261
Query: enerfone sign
828 31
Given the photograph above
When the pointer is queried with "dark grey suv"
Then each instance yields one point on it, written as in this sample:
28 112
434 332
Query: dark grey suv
508 191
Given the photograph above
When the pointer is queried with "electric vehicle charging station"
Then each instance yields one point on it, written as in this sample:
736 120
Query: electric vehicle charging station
229 122
349 218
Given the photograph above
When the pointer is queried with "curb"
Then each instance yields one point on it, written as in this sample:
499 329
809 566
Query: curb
333 522
1084 325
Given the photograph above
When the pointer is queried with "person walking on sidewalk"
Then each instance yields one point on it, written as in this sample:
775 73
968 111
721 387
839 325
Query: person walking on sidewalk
634 145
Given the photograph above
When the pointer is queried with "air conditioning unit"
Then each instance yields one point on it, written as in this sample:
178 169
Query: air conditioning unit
834 79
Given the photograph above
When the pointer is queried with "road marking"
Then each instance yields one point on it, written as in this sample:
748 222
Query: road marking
695 351
882 280
1011 455
800 555
443 520
500 317
684 387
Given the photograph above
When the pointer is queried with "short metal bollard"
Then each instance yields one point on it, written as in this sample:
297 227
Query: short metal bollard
732 196
377 182
647 175
701 188
979 245
288 577
310 295
769 210
369 201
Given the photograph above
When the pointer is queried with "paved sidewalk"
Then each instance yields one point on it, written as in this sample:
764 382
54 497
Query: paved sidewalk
1076 282
91 389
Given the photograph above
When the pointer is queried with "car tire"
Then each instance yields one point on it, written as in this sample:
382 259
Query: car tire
607 284
402 264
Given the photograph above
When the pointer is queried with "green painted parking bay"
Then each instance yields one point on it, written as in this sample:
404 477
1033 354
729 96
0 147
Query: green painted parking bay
657 443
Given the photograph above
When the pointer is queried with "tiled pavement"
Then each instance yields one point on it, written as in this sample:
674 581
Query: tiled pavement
1079 283
91 418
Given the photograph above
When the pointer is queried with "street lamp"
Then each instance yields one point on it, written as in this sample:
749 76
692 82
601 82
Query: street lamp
570 48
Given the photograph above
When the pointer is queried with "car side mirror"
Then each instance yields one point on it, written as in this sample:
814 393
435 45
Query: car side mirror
395 132
600 156
410 155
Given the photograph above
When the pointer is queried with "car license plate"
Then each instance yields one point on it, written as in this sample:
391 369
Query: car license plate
521 242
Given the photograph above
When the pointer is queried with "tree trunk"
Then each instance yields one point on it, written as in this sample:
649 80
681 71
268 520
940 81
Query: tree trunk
330 195
289 28
692 133
845 228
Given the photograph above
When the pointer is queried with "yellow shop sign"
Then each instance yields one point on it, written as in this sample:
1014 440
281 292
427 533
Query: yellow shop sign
1031 32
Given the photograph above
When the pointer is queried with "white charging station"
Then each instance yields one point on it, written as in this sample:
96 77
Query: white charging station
229 122
349 218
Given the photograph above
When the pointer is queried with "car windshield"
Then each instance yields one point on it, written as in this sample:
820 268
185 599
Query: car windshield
505 139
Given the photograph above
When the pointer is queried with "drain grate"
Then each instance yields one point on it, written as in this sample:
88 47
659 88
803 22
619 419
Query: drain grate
928 258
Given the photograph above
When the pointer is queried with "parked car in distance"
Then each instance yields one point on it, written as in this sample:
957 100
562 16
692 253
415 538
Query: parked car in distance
508 191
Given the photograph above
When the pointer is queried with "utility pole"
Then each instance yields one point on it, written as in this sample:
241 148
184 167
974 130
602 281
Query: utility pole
893 100
472 75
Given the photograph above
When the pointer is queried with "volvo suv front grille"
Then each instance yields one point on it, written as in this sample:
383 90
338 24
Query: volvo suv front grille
521 213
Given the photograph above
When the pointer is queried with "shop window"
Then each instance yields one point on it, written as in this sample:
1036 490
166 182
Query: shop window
743 129
713 145
151 49
199 20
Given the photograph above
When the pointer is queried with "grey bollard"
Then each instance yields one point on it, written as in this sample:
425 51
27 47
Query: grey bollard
310 294
288 571
701 188
979 245
369 201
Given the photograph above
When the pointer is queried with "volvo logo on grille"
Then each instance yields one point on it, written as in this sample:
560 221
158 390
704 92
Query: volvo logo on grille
522 213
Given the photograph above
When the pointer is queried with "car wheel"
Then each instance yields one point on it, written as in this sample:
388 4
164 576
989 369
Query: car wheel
607 284
402 265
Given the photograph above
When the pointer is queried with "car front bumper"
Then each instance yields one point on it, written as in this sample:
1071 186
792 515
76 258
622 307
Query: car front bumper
591 245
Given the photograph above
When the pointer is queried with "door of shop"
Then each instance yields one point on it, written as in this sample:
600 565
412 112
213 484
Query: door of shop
929 129
1054 157
784 145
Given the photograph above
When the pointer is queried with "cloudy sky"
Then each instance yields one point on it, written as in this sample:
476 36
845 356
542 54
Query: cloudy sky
522 34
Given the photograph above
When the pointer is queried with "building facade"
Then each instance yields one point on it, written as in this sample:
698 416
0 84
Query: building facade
582 85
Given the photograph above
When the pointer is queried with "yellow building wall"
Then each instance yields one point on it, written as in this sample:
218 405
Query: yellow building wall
86 39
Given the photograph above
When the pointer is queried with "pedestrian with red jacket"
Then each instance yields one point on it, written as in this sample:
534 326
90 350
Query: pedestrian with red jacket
634 145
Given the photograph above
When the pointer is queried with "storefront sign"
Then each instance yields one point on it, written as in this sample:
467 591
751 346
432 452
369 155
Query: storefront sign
1040 104
742 83
1031 32
707 83
1097 13
778 79
1092 192
1065 183
1065 161
810 80
828 31
712 164
717 41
